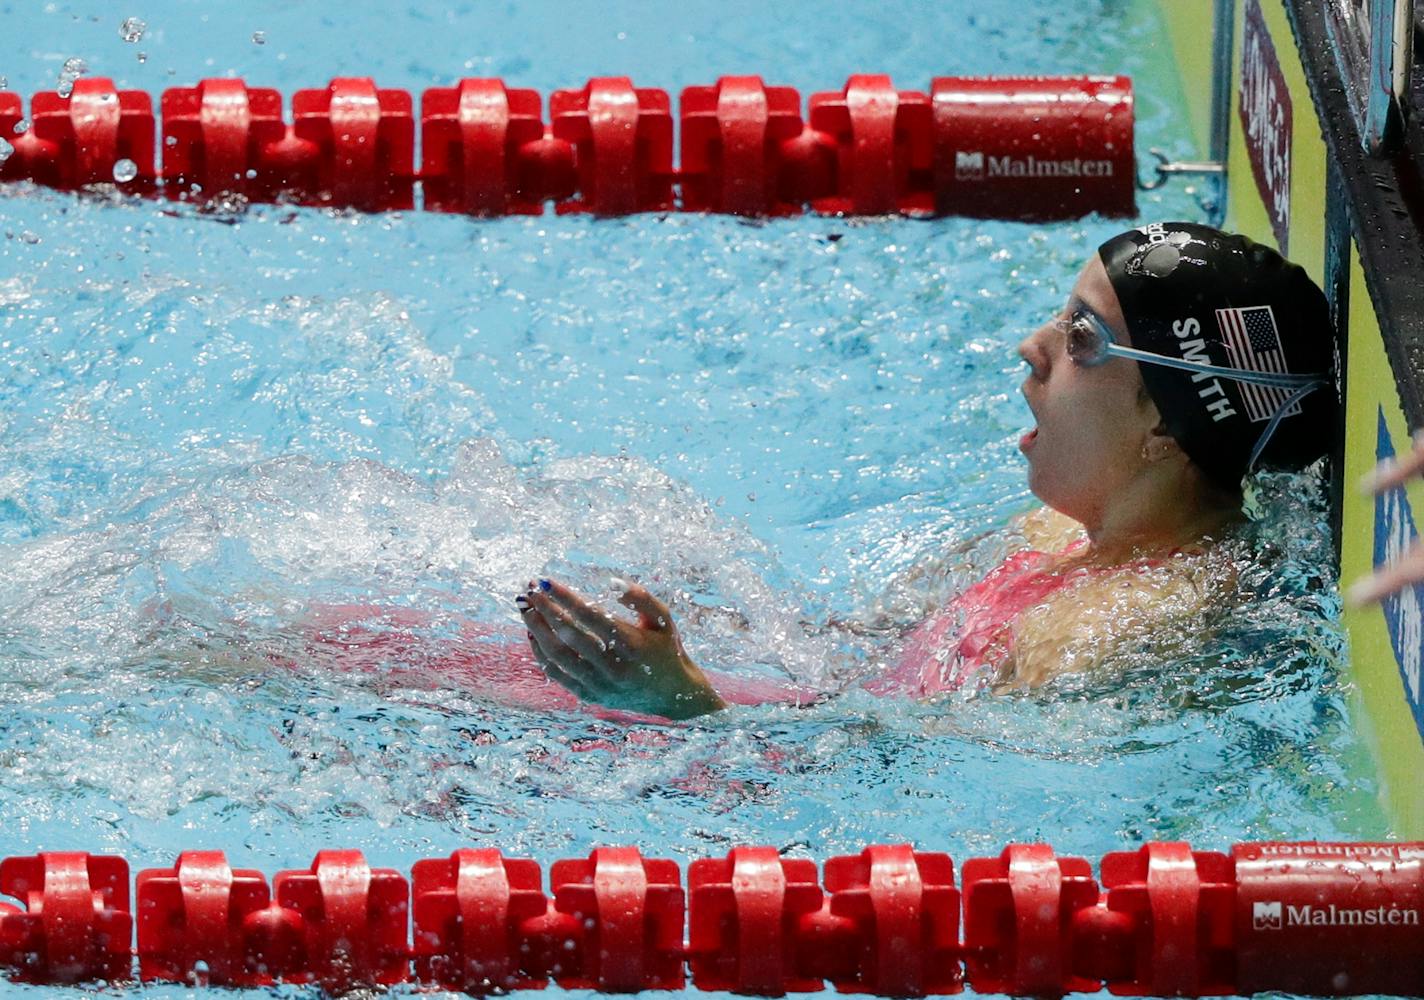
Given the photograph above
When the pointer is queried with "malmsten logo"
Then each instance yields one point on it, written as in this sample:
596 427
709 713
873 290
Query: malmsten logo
1267 916
975 166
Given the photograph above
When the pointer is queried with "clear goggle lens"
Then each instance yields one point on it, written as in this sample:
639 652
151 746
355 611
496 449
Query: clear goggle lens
1088 339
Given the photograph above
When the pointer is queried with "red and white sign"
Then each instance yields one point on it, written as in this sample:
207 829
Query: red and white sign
1266 120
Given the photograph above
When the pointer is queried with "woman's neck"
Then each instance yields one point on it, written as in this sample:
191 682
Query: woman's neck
1116 546
1164 516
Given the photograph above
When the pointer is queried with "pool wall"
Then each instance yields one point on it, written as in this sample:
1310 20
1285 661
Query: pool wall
1319 221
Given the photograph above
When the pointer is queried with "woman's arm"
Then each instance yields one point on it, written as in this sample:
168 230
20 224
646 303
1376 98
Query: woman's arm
643 667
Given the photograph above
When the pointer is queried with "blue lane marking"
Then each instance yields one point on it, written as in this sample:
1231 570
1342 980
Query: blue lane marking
1395 532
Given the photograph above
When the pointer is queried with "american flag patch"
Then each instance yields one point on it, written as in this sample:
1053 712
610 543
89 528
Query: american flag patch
1254 344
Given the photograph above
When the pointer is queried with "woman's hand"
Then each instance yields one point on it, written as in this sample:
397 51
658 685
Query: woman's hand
641 667
1409 568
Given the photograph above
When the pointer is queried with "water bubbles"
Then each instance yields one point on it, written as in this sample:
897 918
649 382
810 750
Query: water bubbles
30 237
143 57
259 38
6 151
73 69
125 171
132 29
226 204
22 126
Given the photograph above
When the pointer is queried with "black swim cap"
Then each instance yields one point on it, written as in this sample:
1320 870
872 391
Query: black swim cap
1190 291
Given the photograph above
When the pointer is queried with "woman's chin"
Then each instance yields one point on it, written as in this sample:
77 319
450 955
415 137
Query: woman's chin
1035 485
1050 490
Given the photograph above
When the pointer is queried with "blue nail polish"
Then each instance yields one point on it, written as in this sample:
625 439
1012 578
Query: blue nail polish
522 603
545 586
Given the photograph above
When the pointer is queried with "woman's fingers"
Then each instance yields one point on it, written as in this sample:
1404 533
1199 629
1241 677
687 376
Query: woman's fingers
583 613
560 676
600 648
570 633
584 641
1396 471
1409 568
562 663
603 659
542 636
652 613
1396 576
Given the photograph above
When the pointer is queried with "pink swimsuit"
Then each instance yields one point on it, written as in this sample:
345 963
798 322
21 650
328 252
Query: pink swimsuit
973 630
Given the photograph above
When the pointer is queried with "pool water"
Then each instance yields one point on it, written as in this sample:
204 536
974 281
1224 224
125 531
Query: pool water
218 428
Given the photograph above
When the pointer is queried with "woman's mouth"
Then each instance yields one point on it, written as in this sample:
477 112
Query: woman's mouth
1026 442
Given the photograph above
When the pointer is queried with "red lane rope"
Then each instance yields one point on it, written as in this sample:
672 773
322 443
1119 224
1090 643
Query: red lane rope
1008 147
1314 918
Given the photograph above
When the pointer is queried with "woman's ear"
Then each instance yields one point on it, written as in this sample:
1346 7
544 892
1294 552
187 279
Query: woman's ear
1160 446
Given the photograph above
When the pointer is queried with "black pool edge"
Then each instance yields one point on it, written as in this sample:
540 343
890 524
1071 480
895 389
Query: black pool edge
1384 202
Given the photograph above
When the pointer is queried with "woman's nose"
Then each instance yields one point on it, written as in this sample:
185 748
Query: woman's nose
1034 350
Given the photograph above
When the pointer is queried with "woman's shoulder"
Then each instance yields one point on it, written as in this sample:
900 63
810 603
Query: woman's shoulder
1139 601
1046 530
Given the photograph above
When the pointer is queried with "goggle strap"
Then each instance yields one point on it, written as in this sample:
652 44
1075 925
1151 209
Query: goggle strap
1276 417
1277 380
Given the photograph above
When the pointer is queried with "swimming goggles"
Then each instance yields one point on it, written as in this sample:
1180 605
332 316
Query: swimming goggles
1091 343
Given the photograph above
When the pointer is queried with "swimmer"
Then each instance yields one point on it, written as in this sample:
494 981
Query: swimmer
1184 358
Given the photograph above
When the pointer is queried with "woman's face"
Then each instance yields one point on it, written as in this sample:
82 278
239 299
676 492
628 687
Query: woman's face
1092 422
